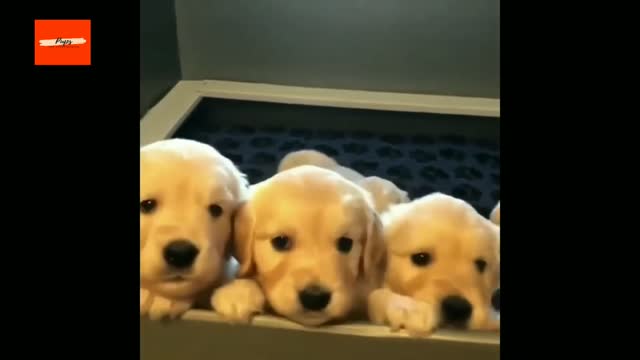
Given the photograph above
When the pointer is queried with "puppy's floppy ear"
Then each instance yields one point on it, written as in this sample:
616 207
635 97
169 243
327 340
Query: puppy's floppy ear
243 225
495 215
237 183
495 246
404 196
374 254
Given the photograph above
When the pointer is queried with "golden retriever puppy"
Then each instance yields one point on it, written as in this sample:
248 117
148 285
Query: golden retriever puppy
309 246
188 193
384 192
442 267
319 159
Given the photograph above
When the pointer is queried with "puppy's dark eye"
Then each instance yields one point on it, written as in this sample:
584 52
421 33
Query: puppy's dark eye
148 206
481 265
421 259
215 210
344 245
281 243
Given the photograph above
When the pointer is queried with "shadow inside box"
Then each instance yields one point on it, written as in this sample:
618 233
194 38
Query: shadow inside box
420 153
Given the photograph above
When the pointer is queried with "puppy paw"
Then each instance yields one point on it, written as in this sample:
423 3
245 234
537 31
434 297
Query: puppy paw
145 299
488 325
485 321
416 317
239 301
157 307
493 325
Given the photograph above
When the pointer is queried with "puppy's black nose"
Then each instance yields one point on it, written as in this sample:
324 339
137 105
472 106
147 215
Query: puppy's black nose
180 253
456 309
314 298
495 299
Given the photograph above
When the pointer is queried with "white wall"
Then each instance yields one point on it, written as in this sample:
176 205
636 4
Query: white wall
446 47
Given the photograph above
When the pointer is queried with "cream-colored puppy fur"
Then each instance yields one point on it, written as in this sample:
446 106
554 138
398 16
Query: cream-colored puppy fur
384 192
495 214
188 193
440 253
319 159
309 246
495 218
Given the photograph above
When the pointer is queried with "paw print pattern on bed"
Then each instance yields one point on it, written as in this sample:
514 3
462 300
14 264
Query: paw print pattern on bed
421 164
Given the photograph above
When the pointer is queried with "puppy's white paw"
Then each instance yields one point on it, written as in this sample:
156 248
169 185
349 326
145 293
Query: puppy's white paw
485 321
416 317
158 307
238 301
493 325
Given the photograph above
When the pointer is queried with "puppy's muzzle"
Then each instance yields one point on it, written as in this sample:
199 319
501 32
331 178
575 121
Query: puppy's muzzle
180 254
456 310
314 298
